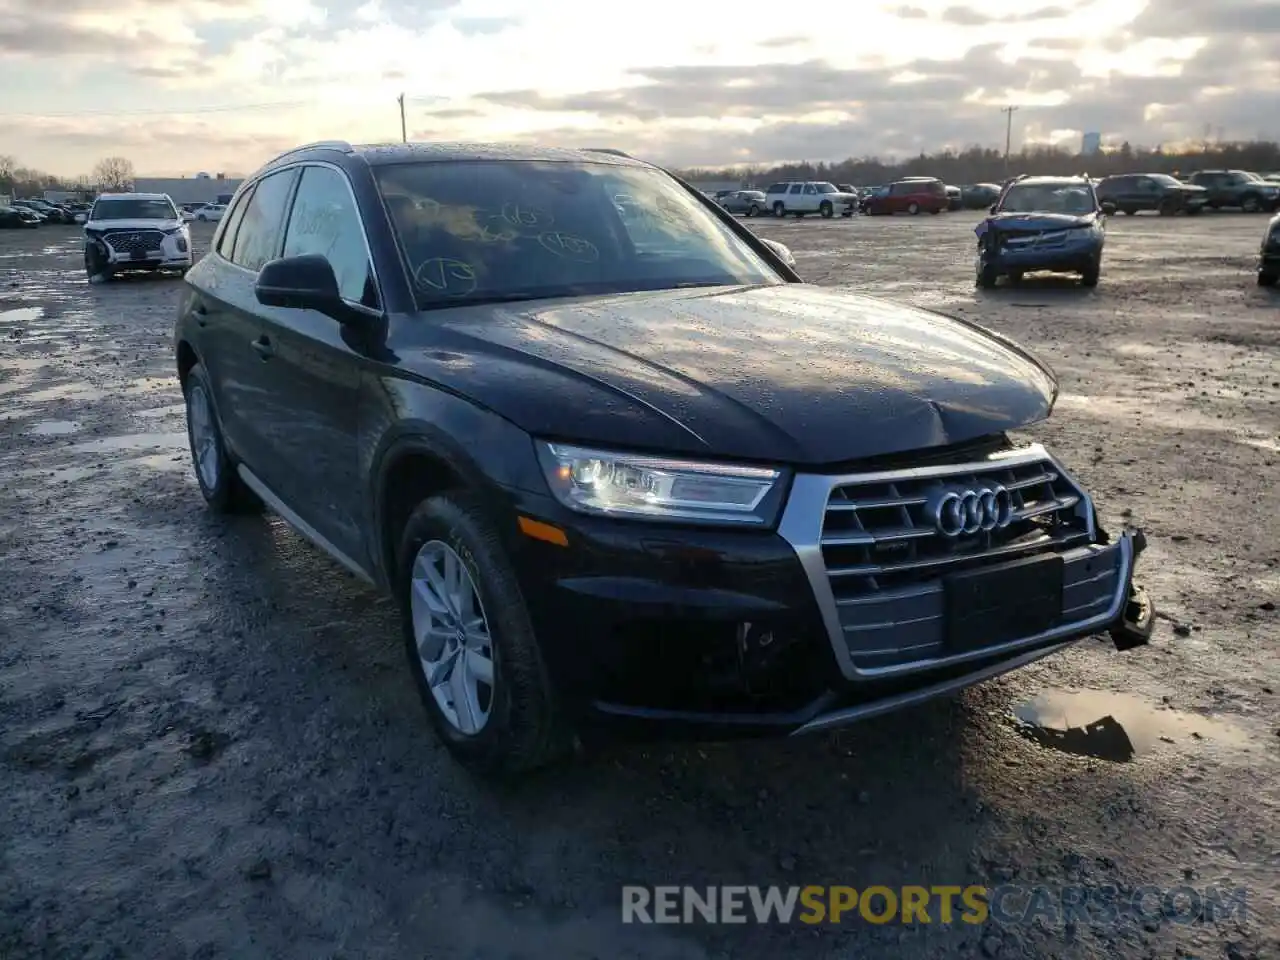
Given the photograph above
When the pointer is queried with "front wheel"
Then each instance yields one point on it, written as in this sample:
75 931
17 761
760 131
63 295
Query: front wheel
96 267
779 209
987 276
1267 278
1089 275
1251 204
220 485
470 643
826 209
752 210
913 208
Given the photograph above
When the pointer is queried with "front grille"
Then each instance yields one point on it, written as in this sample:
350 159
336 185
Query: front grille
136 243
1034 240
885 556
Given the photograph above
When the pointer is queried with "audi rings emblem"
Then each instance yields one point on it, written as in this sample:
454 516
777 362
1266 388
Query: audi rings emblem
962 511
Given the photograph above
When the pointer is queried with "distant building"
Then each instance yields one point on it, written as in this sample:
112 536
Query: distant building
1090 144
199 189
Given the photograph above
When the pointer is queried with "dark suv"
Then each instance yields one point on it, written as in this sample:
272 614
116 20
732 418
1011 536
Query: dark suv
1237 188
618 464
1134 192
1043 223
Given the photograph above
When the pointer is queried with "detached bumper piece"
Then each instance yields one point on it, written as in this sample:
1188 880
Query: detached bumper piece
1138 620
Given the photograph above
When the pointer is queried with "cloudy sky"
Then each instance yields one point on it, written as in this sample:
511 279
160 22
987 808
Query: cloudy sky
180 86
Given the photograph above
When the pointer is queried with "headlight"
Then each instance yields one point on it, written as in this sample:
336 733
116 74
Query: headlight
657 488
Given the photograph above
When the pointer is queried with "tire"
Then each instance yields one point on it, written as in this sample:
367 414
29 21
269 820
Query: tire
520 729
826 209
1250 203
935 211
779 209
1089 275
913 208
1015 276
1129 211
96 270
1267 279
798 215
220 484
1168 208
753 210
988 277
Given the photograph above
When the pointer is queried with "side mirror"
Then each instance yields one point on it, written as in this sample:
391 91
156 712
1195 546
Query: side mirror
1108 208
306 282
992 208
781 250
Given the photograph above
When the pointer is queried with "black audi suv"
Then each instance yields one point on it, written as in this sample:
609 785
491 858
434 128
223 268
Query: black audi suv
624 471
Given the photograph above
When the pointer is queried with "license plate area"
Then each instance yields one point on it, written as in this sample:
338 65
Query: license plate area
994 605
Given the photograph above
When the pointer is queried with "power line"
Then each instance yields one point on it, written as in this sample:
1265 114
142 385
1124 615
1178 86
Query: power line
193 111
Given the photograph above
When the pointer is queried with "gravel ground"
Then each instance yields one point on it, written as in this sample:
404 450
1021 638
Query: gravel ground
210 747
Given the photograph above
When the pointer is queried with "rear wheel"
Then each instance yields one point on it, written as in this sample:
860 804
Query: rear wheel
987 276
1129 211
1267 278
470 644
220 485
826 209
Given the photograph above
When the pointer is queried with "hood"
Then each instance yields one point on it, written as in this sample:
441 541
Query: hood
1190 188
784 374
133 225
1040 221
840 195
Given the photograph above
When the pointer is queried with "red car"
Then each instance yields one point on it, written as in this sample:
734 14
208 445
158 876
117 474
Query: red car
920 195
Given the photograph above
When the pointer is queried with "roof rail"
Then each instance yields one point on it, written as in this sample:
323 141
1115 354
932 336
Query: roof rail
340 145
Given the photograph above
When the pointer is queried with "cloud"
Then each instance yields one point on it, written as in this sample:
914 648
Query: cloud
969 17
917 76
777 43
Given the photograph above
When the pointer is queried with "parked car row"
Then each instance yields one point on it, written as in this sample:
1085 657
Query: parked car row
1132 193
51 213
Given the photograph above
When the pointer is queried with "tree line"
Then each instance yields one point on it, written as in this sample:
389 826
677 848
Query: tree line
109 173
987 165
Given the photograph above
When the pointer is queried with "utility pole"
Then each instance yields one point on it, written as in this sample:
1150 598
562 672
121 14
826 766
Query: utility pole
404 133
1008 134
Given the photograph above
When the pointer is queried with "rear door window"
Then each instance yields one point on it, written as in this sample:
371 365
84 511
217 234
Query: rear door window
227 239
258 237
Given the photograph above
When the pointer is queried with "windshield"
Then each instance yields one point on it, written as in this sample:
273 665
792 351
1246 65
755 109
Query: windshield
481 231
827 188
133 208
1072 198
1165 179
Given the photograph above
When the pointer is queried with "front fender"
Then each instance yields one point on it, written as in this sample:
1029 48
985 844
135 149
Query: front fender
487 453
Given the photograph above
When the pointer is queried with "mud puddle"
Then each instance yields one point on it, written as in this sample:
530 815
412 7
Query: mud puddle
133 441
54 428
21 315
1117 726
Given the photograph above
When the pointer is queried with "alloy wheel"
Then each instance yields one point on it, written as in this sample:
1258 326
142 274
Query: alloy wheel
452 635
204 436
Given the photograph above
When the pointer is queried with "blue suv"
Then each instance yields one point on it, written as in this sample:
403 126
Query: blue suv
1043 223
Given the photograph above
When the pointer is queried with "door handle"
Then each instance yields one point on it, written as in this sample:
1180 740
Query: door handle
264 347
